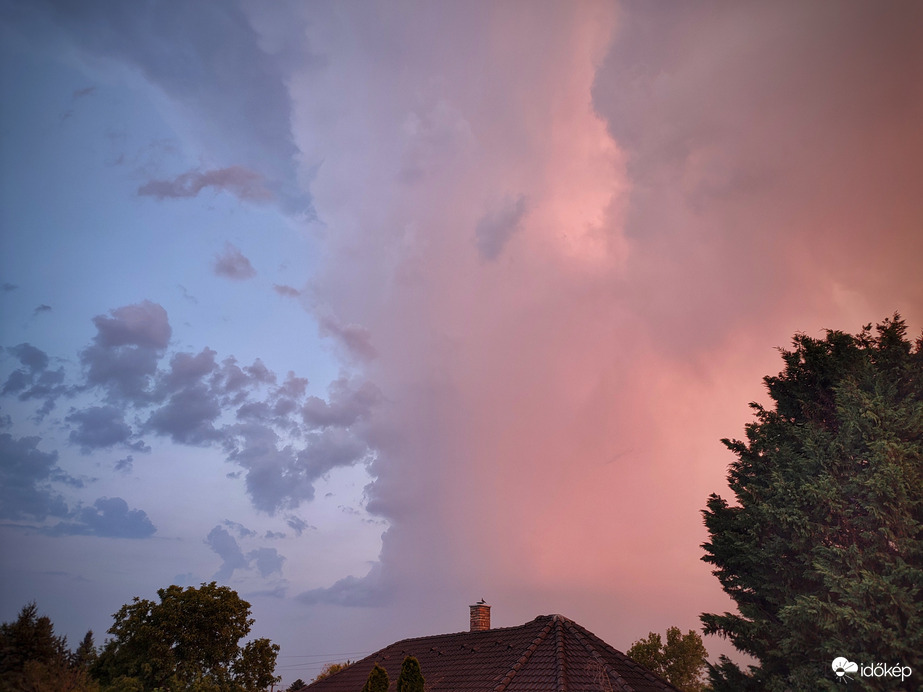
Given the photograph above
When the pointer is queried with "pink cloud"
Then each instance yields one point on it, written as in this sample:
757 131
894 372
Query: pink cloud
552 418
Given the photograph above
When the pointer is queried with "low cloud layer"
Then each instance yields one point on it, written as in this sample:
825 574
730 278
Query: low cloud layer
109 517
283 439
266 561
30 481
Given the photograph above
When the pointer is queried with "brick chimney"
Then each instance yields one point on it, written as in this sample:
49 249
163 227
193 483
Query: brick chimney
480 616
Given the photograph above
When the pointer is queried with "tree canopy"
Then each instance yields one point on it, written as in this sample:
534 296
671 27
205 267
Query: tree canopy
187 641
330 669
681 660
822 550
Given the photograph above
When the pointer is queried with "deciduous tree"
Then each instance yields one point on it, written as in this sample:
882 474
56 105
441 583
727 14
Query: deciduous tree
822 549
330 669
187 641
681 660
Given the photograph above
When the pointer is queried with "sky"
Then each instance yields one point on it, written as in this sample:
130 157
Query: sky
370 310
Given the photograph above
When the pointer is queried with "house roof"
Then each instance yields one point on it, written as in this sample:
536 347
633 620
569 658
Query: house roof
549 654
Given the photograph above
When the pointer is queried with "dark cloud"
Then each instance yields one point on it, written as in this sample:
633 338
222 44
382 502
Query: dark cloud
25 476
232 558
7 287
241 530
297 524
356 339
232 264
329 449
82 93
280 477
41 308
109 517
346 404
31 357
275 478
188 417
187 369
281 441
143 324
98 427
495 228
125 352
34 380
237 180
287 291
232 85
266 560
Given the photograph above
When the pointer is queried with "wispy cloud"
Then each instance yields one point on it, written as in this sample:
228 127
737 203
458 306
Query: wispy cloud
241 182
287 291
232 264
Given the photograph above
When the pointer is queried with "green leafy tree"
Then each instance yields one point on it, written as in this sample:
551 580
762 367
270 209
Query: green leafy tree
681 660
411 678
34 659
297 685
187 641
823 549
377 681
330 669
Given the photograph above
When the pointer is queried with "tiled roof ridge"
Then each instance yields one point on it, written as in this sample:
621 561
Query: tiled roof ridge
575 630
484 633
581 634
559 657
527 654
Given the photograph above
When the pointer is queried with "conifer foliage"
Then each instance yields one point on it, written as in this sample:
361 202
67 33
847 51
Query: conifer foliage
411 678
823 548
378 680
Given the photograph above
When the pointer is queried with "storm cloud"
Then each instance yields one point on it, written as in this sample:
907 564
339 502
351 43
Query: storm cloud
109 517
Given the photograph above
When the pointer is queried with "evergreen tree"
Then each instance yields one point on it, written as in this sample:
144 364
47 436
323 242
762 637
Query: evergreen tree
411 678
378 680
34 658
823 549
